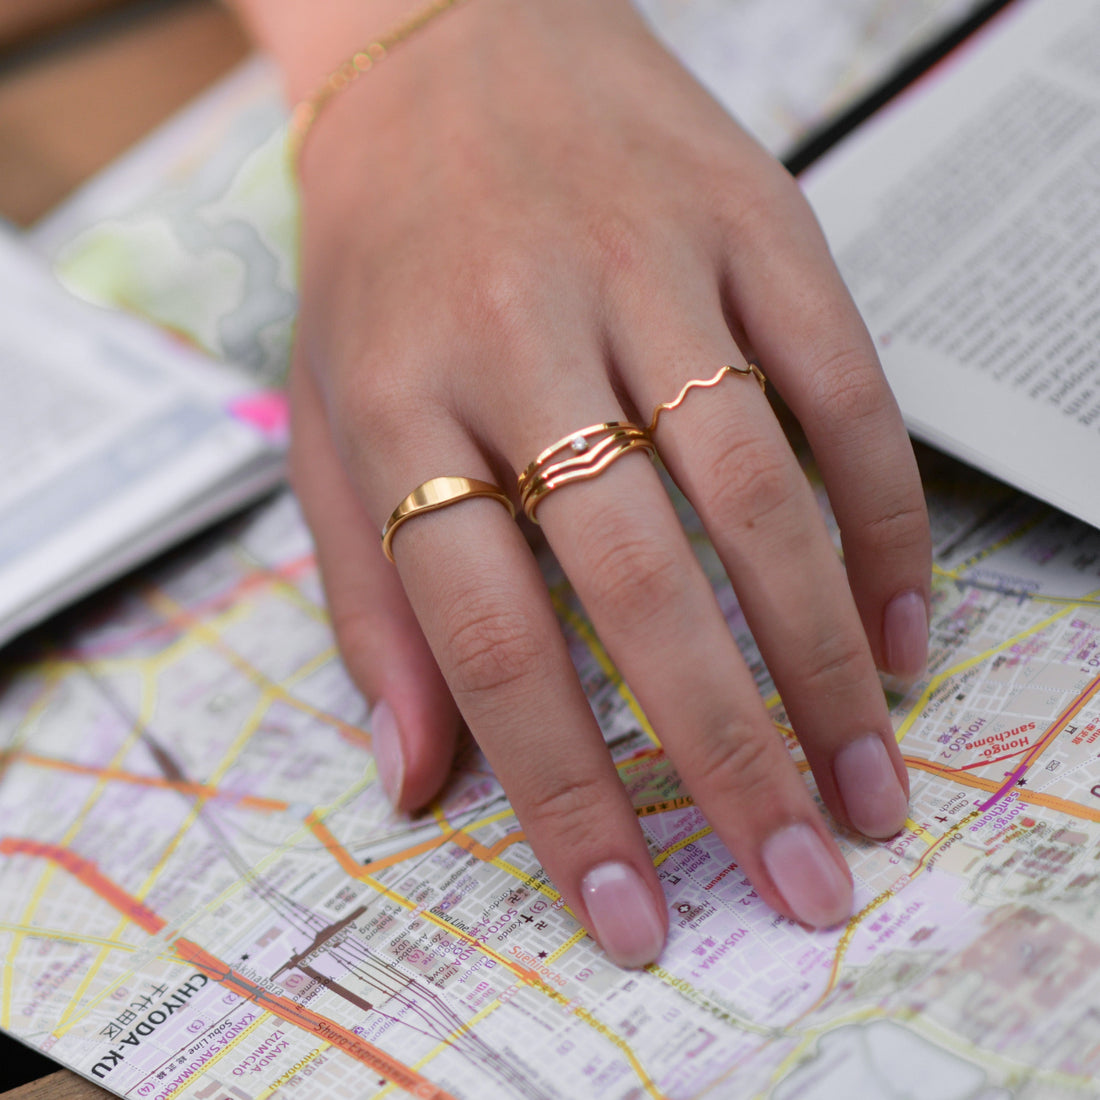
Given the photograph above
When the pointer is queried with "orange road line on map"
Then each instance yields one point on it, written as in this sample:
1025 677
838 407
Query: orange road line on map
358 870
506 841
350 733
1063 720
90 875
170 623
287 1009
87 872
196 790
1038 798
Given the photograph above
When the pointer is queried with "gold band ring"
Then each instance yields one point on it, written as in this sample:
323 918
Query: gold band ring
706 383
586 453
438 492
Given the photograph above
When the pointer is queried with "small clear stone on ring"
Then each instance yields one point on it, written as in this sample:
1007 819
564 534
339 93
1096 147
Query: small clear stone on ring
578 444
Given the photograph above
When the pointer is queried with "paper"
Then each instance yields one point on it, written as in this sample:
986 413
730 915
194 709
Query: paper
966 221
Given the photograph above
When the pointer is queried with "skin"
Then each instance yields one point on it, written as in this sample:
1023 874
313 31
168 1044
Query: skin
526 220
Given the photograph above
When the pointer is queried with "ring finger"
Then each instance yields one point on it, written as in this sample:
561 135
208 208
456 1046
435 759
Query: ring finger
726 450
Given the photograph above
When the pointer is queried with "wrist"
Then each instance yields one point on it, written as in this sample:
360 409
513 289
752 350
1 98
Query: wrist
308 48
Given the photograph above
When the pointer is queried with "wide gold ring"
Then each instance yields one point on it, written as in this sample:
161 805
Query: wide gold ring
439 492
706 383
577 457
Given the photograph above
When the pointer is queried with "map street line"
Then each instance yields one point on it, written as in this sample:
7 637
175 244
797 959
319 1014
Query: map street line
1044 743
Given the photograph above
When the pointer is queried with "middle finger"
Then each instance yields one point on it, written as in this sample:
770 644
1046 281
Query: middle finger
620 542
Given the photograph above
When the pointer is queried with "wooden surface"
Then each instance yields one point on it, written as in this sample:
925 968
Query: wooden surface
23 19
58 1086
69 107
66 112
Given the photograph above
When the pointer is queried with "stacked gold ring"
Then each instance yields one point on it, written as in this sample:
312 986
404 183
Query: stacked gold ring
577 457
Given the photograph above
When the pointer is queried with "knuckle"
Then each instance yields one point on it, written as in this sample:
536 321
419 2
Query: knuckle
561 806
901 530
504 294
736 764
619 246
845 391
633 578
490 647
748 481
761 213
372 405
837 659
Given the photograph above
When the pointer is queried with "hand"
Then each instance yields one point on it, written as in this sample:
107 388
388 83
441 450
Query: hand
530 219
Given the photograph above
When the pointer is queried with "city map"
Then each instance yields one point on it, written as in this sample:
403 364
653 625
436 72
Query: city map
203 892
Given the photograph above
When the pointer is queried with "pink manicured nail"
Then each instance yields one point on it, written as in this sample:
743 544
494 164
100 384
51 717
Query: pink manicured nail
905 634
388 757
623 914
816 889
869 786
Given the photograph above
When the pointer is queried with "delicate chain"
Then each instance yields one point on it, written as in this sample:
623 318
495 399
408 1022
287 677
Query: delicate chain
305 113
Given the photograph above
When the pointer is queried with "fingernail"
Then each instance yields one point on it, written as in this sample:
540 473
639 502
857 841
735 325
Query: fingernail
388 757
873 796
623 914
817 890
905 634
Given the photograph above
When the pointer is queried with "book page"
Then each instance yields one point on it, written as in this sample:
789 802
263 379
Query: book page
965 219
109 431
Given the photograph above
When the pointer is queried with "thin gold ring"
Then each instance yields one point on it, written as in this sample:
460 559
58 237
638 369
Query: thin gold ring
589 452
706 383
439 492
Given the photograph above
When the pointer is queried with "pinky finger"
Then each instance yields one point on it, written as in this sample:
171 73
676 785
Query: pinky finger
414 721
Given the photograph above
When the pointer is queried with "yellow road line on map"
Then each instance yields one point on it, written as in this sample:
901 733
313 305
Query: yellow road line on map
240 883
148 708
682 844
492 819
917 829
569 943
1006 540
206 632
311 666
34 711
63 1024
875 903
264 1017
51 680
617 1041
103 662
808 1039
281 585
248 728
595 647
148 705
457 1033
530 978
938 680
39 933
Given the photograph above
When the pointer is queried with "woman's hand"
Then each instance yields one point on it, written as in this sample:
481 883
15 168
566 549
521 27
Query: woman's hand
529 220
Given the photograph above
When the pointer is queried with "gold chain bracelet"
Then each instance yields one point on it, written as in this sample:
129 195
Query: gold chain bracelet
305 113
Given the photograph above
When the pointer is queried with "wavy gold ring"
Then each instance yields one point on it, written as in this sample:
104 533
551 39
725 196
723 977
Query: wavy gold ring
586 453
439 492
701 383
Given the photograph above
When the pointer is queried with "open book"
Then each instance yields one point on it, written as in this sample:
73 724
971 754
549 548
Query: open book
965 218
116 441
